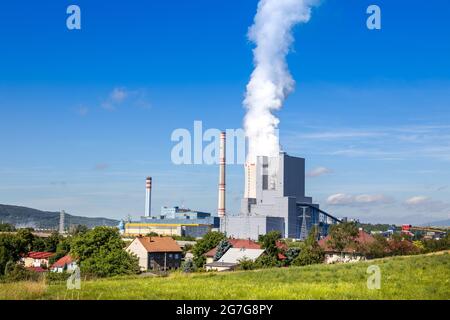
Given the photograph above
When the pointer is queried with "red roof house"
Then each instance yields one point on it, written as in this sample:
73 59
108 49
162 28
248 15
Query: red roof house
350 253
36 259
362 238
235 243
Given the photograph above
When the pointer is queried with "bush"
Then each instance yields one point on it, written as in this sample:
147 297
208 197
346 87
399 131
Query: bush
310 251
18 273
246 264
55 277
188 266
266 261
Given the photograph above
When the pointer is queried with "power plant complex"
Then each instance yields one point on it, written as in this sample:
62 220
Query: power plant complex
274 199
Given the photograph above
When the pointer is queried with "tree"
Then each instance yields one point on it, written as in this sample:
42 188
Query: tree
343 235
152 234
6 227
209 241
291 254
310 251
246 264
78 229
188 266
269 243
376 249
222 247
100 253
9 251
51 242
25 240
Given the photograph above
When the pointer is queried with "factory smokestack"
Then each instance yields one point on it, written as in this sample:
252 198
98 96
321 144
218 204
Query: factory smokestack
148 197
222 164
271 81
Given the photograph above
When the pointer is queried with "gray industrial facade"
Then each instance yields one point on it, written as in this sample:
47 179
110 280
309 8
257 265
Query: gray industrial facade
280 202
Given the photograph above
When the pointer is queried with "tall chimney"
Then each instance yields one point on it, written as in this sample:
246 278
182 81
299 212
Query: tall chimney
148 197
222 163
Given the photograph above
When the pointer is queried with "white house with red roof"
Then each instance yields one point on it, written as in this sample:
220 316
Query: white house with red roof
235 243
66 263
36 260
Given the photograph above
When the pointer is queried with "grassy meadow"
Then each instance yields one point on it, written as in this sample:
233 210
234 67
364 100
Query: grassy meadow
412 277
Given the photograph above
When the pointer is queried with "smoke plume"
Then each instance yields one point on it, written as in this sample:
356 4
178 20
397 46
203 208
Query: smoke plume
271 80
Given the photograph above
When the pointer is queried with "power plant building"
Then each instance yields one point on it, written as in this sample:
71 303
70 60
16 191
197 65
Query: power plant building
274 199
174 221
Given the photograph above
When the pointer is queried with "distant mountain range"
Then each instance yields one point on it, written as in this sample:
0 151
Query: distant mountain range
442 223
27 217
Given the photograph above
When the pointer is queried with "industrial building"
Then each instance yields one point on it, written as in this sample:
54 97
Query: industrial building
172 221
274 199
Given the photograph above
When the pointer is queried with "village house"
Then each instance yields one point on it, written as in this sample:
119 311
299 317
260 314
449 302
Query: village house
66 263
350 253
231 259
235 243
156 253
36 261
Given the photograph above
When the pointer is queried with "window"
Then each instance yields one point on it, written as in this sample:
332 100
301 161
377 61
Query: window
170 256
176 256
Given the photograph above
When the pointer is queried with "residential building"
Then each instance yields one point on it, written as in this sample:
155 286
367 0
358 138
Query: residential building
156 253
66 263
35 259
235 243
231 259
350 253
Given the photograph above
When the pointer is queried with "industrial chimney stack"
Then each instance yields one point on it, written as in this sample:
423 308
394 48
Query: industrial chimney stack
148 197
222 163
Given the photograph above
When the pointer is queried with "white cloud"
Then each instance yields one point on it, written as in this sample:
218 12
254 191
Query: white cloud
82 111
120 95
343 199
424 203
319 171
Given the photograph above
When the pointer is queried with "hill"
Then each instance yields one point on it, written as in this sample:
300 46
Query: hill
27 217
409 277
441 223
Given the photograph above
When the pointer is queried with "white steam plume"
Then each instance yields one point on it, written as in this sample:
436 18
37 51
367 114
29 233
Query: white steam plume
270 81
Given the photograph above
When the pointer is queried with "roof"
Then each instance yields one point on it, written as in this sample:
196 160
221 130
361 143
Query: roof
39 255
236 243
362 238
159 244
63 261
233 255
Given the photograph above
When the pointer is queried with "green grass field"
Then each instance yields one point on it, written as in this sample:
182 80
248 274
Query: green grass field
413 277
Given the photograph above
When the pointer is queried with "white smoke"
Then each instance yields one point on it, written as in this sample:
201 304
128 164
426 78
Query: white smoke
270 81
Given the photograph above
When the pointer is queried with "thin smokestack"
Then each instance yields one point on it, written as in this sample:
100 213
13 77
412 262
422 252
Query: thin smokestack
148 197
222 164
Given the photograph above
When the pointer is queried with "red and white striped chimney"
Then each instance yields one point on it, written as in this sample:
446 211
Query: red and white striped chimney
148 197
222 163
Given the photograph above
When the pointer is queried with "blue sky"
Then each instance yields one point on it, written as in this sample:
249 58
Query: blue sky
86 115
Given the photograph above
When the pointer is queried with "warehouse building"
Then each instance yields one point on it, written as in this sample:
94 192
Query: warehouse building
174 221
